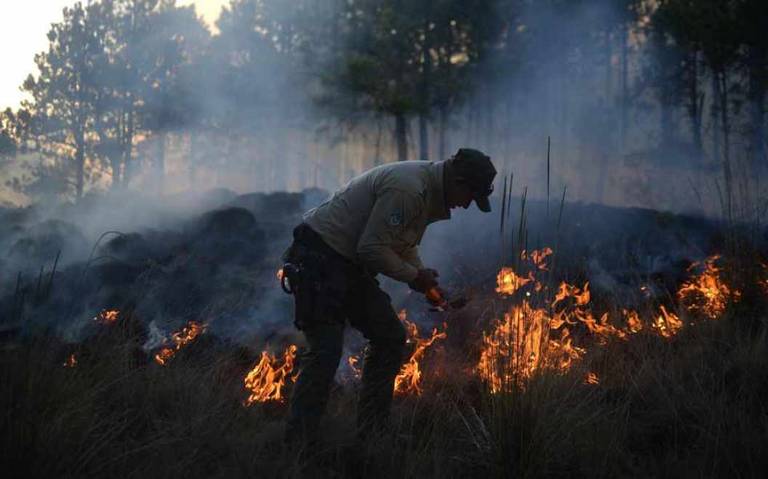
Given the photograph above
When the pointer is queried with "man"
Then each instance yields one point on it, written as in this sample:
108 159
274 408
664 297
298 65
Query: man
372 225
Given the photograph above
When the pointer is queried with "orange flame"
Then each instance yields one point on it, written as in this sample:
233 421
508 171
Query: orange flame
526 340
107 316
409 377
666 324
267 379
581 296
181 338
634 324
520 345
592 378
280 274
706 293
507 281
538 257
354 363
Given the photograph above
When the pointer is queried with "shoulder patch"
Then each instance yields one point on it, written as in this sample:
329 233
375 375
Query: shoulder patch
395 218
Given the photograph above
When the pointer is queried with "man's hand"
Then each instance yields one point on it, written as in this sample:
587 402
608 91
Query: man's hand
426 279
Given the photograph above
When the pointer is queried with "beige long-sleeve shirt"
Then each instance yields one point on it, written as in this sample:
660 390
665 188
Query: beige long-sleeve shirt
379 217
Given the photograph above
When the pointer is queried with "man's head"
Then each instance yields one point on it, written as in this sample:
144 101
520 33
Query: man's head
469 176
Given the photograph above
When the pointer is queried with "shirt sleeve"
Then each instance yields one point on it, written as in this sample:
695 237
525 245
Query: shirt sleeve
391 212
411 256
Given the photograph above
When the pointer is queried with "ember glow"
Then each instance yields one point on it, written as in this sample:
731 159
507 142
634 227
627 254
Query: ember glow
265 382
354 364
763 281
181 338
435 296
71 361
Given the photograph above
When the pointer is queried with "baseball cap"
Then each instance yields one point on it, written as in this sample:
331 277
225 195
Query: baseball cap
476 170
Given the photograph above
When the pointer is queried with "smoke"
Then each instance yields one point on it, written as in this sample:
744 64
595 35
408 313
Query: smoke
242 113
192 241
572 74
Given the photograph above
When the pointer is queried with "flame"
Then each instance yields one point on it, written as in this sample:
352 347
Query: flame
581 296
266 380
354 363
666 324
538 257
520 345
507 281
280 274
409 377
634 324
706 293
591 378
601 328
107 316
181 338
530 339
71 361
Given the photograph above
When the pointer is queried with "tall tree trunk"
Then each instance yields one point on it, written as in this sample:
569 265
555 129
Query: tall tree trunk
694 103
758 75
724 122
80 160
192 161
423 137
160 162
426 72
608 69
115 160
127 147
442 133
377 144
721 139
116 156
489 111
665 120
602 175
401 136
715 118
624 32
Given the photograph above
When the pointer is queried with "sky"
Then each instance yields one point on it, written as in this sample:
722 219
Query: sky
23 28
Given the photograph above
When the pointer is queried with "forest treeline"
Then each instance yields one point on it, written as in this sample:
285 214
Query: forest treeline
124 82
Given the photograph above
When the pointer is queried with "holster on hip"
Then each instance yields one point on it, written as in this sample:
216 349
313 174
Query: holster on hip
321 285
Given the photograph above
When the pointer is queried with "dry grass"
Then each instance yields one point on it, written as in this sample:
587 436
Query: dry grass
693 406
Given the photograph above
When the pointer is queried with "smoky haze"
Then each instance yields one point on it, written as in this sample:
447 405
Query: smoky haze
290 95
171 121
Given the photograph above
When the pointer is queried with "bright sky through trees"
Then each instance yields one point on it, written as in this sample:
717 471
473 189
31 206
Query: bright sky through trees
23 28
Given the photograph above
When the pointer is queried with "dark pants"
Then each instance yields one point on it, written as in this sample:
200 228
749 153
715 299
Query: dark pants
332 292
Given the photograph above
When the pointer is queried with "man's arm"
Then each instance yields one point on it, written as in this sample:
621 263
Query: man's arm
393 210
411 256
